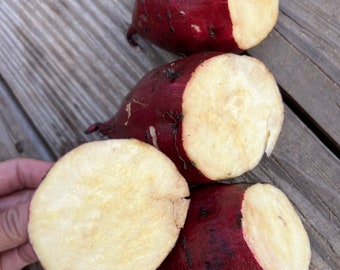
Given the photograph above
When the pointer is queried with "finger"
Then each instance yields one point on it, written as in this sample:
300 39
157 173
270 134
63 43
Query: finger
21 173
16 259
15 198
13 226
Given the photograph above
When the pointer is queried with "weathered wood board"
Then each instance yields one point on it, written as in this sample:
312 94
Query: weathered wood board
65 64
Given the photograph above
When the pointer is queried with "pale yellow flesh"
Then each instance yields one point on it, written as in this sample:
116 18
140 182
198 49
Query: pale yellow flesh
273 230
233 113
115 204
252 20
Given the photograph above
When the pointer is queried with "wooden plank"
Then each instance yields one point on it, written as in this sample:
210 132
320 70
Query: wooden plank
8 148
69 65
43 46
313 26
303 52
18 137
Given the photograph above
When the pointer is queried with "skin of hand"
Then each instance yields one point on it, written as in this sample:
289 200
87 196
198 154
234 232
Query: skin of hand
18 180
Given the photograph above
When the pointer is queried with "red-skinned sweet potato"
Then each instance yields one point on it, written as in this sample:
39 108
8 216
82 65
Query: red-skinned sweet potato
213 114
188 27
240 227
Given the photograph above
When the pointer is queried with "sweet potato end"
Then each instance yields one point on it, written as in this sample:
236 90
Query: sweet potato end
252 20
233 114
273 230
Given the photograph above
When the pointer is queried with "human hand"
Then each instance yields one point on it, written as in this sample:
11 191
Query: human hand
18 180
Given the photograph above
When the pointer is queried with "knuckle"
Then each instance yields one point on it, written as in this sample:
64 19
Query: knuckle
26 254
10 225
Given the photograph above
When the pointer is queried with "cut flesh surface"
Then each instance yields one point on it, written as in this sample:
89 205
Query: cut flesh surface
273 230
114 204
232 114
252 20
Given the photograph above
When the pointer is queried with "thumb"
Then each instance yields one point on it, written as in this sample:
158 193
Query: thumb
13 226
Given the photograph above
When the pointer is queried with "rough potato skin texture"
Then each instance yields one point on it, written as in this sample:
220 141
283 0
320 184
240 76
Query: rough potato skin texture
212 236
184 27
152 112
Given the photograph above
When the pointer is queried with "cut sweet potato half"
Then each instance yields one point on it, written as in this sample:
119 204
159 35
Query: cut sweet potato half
213 114
114 204
240 227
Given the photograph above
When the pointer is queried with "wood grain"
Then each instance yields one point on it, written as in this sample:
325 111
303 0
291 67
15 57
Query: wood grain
67 64
303 52
312 26
18 137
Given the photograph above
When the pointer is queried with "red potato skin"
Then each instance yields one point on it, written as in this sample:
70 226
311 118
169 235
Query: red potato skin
212 236
156 101
173 25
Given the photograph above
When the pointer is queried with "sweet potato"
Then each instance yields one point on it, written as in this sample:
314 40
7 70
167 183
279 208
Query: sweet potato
113 204
240 226
188 27
213 114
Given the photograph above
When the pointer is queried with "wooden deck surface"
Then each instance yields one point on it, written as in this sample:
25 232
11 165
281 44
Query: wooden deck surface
65 64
